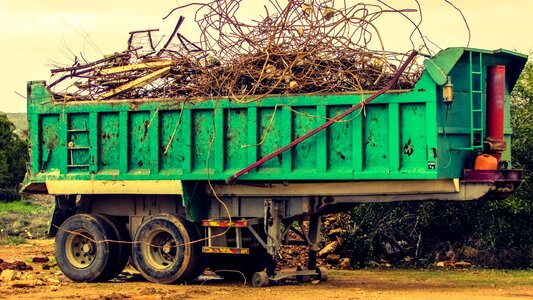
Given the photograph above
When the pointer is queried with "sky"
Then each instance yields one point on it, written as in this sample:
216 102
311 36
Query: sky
38 34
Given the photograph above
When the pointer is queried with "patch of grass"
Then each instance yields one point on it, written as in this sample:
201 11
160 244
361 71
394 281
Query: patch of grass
22 207
12 241
457 278
27 218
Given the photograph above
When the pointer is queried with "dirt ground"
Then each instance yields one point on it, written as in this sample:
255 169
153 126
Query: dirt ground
45 281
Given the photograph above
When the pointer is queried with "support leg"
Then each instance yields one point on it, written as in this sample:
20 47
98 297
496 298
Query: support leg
273 217
314 238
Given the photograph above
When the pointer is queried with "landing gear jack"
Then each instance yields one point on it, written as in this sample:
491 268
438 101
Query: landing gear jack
261 279
273 216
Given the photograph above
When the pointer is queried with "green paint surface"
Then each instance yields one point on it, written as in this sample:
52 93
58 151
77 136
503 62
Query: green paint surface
401 135
108 142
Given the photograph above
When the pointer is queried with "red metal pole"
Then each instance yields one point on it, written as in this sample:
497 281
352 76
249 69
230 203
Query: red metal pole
496 109
328 123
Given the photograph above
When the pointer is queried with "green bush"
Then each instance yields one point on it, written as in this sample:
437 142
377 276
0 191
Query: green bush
486 233
9 195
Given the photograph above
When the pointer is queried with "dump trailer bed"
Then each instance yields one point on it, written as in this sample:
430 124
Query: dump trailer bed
152 170
401 135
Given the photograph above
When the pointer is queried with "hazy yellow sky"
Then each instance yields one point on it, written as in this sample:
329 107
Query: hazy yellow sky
36 33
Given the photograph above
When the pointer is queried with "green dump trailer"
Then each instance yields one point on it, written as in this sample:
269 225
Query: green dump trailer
179 184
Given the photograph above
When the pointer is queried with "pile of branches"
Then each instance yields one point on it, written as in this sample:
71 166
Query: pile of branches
303 46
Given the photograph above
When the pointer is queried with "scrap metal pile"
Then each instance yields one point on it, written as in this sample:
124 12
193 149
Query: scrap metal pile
301 46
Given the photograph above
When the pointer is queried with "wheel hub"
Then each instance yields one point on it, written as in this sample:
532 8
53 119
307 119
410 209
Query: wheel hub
87 248
166 248
80 249
162 250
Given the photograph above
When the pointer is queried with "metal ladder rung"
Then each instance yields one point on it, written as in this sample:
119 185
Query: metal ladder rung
476 99
220 224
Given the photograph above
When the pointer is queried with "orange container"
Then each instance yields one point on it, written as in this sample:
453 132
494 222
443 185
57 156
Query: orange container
486 162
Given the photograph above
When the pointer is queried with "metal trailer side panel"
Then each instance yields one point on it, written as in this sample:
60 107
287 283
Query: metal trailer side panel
166 139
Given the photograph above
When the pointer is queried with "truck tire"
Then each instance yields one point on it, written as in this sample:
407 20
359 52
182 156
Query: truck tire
164 250
198 260
82 247
123 245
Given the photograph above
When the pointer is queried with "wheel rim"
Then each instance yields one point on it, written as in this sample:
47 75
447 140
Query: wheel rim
80 249
256 280
260 279
160 249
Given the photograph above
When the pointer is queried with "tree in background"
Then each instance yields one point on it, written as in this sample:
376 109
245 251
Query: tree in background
522 114
13 155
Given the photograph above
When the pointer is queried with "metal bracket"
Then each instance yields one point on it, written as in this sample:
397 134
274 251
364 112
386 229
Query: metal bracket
273 215
257 236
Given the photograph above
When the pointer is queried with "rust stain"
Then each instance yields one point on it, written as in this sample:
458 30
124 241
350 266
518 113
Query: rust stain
341 155
146 125
407 148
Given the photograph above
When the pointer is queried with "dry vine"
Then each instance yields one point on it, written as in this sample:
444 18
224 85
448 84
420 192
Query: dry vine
300 47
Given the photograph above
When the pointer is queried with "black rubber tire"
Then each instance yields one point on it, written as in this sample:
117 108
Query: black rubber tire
103 254
260 279
132 263
200 259
163 252
123 245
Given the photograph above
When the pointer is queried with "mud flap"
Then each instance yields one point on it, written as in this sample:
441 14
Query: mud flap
195 200
64 207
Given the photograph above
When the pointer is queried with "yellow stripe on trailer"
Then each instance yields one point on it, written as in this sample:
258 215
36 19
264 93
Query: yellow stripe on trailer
225 250
224 223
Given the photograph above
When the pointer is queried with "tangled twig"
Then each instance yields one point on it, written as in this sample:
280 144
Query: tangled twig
303 47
